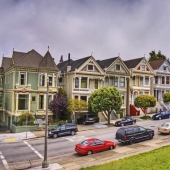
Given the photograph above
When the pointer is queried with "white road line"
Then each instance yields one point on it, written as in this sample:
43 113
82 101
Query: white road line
4 161
34 150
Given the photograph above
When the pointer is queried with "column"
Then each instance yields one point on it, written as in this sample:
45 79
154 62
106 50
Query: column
127 97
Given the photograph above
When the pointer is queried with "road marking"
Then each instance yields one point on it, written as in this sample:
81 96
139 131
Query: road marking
10 140
34 150
75 138
4 161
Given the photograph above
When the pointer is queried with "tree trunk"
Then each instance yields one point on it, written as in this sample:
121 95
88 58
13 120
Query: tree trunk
109 117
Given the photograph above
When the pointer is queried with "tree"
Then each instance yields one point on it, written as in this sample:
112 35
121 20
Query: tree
59 104
77 105
105 100
154 56
166 97
145 101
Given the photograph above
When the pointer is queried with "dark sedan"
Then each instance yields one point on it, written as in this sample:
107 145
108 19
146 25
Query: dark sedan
125 121
161 115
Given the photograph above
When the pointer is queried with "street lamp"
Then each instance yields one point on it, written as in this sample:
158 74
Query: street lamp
45 164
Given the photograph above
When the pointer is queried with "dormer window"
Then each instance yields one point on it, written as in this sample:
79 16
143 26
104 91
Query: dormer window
143 67
90 67
117 67
164 68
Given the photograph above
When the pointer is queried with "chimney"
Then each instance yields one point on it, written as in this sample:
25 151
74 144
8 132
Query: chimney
61 59
69 64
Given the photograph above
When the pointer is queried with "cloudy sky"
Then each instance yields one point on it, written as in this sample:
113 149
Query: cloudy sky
104 28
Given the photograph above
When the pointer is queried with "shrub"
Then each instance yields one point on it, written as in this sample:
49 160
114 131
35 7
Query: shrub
22 119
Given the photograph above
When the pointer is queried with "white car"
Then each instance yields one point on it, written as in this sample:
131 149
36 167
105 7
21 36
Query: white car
165 128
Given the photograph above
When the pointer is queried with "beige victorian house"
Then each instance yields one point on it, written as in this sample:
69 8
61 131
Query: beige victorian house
117 74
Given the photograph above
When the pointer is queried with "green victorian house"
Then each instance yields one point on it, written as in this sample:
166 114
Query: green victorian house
23 84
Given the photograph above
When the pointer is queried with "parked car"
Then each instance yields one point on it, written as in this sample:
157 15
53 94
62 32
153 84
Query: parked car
64 129
132 134
85 119
161 115
125 121
93 145
165 128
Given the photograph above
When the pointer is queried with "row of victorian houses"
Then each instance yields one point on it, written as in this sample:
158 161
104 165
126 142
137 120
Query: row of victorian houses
23 81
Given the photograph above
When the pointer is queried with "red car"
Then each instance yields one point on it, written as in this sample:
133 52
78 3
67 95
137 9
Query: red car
93 145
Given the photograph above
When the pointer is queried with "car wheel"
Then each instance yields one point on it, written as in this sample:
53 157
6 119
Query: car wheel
89 152
159 118
55 136
72 133
169 116
111 147
132 141
150 136
122 124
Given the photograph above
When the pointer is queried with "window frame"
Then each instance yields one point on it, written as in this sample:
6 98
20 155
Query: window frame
24 79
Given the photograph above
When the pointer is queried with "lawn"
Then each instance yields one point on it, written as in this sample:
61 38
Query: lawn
158 159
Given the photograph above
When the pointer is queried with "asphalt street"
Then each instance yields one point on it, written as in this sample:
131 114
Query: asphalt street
63 147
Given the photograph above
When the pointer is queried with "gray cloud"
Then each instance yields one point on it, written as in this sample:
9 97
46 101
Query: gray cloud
105 27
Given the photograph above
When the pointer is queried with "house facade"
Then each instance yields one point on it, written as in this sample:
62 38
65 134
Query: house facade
141 77
117 74
24 82
161 83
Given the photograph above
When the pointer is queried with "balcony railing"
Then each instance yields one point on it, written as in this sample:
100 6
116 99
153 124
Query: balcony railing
19 86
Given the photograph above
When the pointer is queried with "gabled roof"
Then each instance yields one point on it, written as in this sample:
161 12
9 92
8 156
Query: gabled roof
63 65
30 59
47 61
133 63
156 64
74 64
106 63
17 55
6 62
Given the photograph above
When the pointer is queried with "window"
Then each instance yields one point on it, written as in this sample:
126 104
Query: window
106 82
163 80
146 80
96 84
123 99
76 97
22 102
49 100
122 82
167 79
143 67
76 82
33 99
117 67
60 81
141 81
50 80
22 78
133 80
83 82
115 82
42 79
156 79
83 98
41 101
164 68
90 67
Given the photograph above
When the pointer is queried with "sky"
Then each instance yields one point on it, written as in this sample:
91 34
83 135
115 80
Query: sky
101 28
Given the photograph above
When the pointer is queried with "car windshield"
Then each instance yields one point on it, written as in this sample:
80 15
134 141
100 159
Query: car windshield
165 125
84 143
124 119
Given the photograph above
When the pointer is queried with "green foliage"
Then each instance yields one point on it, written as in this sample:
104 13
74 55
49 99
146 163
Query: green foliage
22 119
77 105
154 56
152 160
120 112
145 101
105 100
166 97
145 117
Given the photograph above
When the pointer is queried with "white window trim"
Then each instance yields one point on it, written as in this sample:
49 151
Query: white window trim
19 78
88 67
